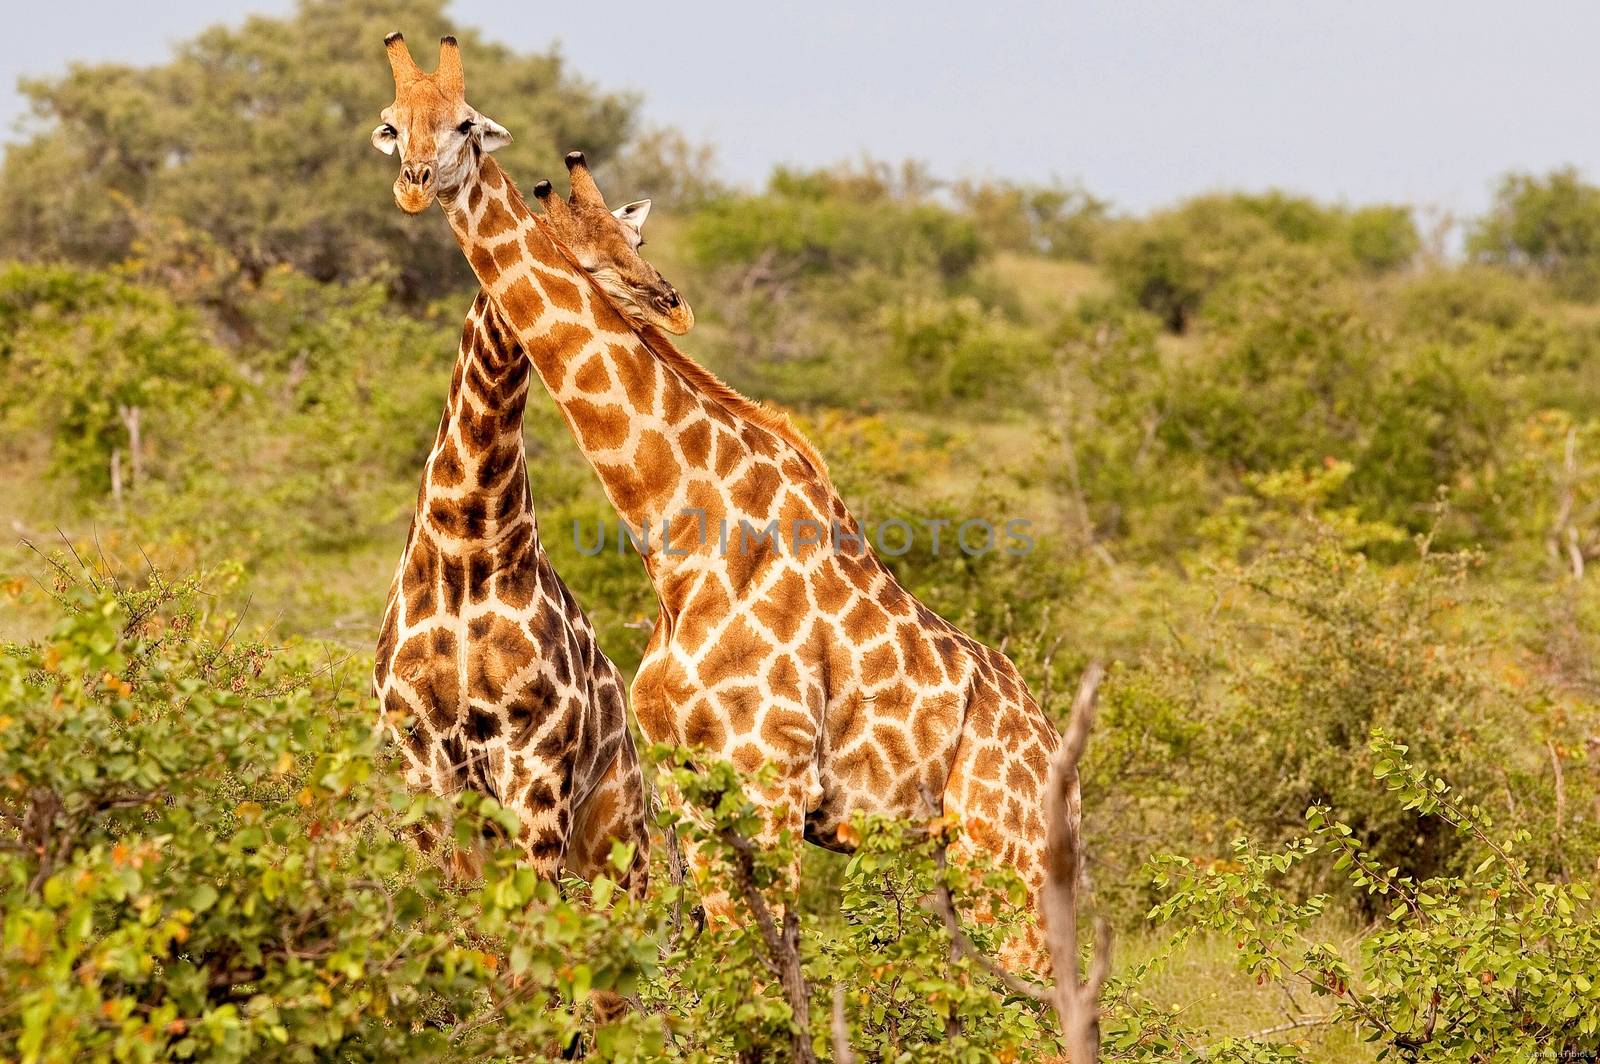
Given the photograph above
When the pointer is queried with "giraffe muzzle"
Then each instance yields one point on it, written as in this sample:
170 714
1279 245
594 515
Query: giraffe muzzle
413 189
675 314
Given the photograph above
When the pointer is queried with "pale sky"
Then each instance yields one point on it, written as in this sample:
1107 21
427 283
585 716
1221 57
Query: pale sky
1143 101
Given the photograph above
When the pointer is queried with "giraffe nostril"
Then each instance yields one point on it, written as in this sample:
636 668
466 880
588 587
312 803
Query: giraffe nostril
672 298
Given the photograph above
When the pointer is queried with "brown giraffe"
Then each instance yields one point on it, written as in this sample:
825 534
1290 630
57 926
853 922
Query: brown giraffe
798 650
485 661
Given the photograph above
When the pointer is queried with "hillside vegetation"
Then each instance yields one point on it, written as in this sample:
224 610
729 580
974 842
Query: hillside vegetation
1323 495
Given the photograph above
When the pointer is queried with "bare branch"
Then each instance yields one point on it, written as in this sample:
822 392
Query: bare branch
783 945
1561 803
842 1053
1077 1002
1292 1025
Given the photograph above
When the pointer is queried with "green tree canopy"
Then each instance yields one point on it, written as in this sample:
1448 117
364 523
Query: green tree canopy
256 135
1548 226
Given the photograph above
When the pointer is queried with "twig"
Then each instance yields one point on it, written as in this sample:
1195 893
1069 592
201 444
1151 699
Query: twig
1293 1025
1077 1002
783 945
1561 804
105 565
842 1053
87 572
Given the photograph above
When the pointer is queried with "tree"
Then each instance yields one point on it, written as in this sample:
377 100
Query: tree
1549 226
256 136
1171 262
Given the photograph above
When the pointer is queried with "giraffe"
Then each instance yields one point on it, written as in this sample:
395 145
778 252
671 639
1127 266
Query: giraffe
782 639
485 660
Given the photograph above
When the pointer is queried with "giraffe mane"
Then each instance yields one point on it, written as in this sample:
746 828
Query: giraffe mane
702 380
727 396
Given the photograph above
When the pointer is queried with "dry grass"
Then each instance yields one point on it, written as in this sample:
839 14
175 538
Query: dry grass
1202 980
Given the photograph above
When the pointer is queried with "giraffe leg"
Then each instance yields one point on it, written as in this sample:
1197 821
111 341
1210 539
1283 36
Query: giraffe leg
781 812
614 812
742 727
977 804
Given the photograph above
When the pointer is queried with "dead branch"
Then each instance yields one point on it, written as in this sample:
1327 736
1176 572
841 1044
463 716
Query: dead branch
842 1053
783 945
1561 802
1292 1025
1077 1001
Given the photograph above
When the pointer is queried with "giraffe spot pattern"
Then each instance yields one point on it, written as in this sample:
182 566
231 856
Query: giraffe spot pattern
486 669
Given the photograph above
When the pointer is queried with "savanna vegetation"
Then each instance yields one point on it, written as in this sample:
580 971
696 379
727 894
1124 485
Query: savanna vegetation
1321 486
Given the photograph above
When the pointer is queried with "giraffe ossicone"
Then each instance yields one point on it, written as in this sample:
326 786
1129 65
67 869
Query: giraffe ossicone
791 653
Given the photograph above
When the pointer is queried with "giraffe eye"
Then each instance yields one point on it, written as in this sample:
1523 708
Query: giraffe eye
465 127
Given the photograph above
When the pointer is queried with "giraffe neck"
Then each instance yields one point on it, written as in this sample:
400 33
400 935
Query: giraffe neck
653 432
475 488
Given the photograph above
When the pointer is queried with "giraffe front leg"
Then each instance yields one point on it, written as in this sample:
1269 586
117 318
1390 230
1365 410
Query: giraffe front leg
775 757
976 798
544 809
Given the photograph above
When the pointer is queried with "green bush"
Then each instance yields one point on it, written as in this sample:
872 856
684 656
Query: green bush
205 857
1492 963
1305 650
206 854
955 351
115 375
1056 220
804 227
1171 262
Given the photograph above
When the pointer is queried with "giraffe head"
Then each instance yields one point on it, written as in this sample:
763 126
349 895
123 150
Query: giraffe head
441 140
606 244
439 136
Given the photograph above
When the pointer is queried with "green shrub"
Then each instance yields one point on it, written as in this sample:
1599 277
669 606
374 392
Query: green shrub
1172 261
1306 649
205 857
205 853
115 375
886 953
955 351
1492 963
1056 220
1382 238
806 234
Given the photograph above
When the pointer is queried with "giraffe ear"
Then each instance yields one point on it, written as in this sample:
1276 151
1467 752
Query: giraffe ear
385 139
491 134
632 216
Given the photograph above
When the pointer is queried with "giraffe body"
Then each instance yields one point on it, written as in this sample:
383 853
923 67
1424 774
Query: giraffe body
487 670
800 654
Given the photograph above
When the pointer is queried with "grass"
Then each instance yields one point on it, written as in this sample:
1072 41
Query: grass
1201 980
